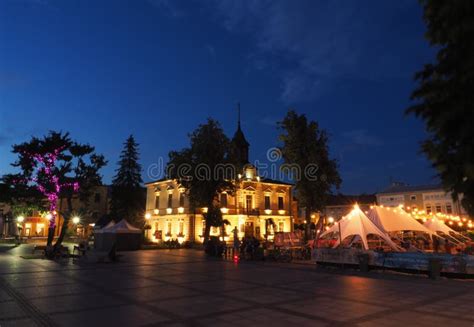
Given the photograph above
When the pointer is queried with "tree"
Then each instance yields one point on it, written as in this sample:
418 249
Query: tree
306 146
127 193
200 169
56 167
445 96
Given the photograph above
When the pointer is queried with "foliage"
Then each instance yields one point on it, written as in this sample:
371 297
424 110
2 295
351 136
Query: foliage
197 168
306 145
128 197
55 167
445 96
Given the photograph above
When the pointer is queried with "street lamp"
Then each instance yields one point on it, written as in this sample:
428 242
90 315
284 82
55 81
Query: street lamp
147 216
75 220
20 219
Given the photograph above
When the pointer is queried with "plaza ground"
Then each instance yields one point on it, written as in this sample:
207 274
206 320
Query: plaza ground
183 288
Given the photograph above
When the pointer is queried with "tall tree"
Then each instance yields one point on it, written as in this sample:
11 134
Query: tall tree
200 169
306 146
56 167
127 192
445 95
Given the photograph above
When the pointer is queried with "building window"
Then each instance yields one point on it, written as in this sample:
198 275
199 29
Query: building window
224 200
181 228
157 202
203 227
428 209
181 199
413 197
248 201
97 198
170 200
168 231
280 203
449 209
281 226
438 208
267 202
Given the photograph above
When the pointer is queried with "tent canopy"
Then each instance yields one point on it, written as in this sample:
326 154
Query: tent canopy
437 225
356 223
394 220
121 227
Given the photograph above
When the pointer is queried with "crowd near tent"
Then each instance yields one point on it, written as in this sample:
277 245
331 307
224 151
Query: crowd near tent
356 223
122 234
395 220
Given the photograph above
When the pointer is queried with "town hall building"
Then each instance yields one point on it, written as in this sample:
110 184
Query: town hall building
259 207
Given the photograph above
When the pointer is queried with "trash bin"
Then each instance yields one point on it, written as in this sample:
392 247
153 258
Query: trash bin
434 268
364 262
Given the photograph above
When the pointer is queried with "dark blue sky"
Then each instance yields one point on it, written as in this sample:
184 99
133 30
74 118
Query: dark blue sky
105 69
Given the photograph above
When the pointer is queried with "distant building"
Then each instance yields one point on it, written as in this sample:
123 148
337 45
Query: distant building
257 202
35 224
340 205
430 198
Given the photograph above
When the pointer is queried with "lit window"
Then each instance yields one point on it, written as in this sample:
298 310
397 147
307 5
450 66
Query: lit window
281 226
181 228
169 228
438 208
248 201
267 202
181 199
157 202
449 208
281 203
170 200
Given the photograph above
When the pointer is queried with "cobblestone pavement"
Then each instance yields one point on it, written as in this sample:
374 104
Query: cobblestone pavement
183 288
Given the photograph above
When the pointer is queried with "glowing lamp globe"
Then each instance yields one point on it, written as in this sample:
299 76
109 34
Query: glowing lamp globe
75 220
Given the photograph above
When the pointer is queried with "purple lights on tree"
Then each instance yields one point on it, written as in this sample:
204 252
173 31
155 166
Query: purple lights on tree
45 179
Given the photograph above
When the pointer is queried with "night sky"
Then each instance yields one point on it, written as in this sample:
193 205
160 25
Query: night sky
105 69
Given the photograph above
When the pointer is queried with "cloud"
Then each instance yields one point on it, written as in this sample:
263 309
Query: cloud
361 137
317 42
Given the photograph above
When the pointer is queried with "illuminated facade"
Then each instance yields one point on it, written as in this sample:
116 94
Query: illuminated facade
254 202
431 199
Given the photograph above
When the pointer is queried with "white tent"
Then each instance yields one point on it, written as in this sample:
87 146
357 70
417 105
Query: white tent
121 227
97 229
436 225
121 235
356 223
394 220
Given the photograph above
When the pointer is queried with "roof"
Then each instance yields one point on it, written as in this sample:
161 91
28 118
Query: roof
273 181
398 188
158 180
